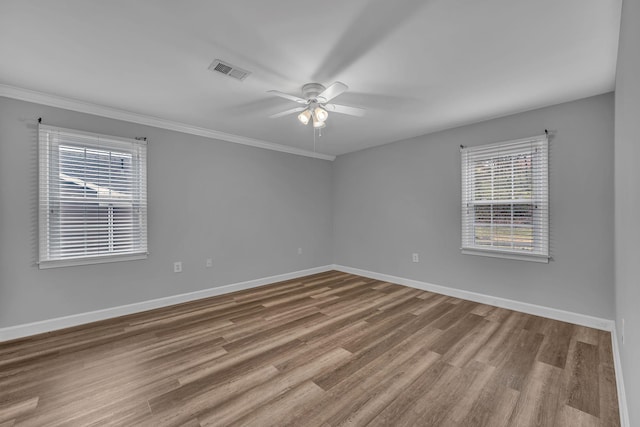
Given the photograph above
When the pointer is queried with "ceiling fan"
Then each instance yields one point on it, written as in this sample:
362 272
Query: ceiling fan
315 104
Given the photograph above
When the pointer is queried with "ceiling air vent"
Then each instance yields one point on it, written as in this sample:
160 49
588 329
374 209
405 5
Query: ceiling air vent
228 69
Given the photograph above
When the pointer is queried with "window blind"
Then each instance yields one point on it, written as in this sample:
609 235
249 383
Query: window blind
92 197
505 199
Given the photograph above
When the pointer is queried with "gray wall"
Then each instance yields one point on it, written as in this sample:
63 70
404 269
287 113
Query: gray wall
247 208
404 197
627 190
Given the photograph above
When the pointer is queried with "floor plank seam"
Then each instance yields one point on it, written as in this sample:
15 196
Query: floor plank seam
329 349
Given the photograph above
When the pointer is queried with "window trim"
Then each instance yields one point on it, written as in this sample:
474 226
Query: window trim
515 254
100 141
496 253
89 260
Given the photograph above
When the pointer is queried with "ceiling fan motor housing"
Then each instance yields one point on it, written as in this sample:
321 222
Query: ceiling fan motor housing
311 91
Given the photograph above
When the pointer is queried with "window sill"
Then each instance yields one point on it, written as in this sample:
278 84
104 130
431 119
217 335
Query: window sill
101 259
505 254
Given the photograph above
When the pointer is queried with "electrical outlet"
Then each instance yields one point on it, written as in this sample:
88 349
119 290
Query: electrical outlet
177 267
415 258
622 332
209 263
299 251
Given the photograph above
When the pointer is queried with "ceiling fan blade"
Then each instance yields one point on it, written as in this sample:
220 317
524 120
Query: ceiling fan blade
287 96
332 91
343 109
366 31
286 113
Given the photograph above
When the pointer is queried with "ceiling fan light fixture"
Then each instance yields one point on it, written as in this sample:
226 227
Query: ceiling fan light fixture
320 114
317 124
315 104
304 117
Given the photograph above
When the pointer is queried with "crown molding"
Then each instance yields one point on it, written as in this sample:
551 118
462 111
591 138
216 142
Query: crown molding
128 116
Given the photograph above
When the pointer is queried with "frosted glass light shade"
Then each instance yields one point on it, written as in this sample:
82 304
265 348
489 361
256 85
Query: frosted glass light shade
304 117
321 114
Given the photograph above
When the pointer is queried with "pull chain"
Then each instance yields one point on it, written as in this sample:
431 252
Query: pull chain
314 137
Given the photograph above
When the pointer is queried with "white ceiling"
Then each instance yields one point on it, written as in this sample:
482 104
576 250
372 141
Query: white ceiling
417 66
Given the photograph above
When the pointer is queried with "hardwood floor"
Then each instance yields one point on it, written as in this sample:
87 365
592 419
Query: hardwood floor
329 349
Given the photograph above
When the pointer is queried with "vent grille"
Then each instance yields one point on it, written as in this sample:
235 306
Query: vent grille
228 70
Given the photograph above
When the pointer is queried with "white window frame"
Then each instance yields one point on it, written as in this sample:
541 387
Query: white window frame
538 149
51 251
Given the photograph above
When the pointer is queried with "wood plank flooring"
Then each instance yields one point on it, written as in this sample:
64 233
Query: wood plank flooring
330 349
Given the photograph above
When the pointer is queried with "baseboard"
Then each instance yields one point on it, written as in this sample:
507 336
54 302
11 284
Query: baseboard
622 397
538 310
25 330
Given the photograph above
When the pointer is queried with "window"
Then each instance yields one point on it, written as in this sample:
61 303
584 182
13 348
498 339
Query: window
505 201
93 198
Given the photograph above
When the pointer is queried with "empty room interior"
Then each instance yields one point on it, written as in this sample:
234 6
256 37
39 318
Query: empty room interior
298 213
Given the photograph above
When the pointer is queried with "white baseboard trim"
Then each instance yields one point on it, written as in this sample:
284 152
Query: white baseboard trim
28 329
25 330
538 310
622 397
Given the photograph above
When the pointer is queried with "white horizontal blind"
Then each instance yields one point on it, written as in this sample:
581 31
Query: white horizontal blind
93 196
505 198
